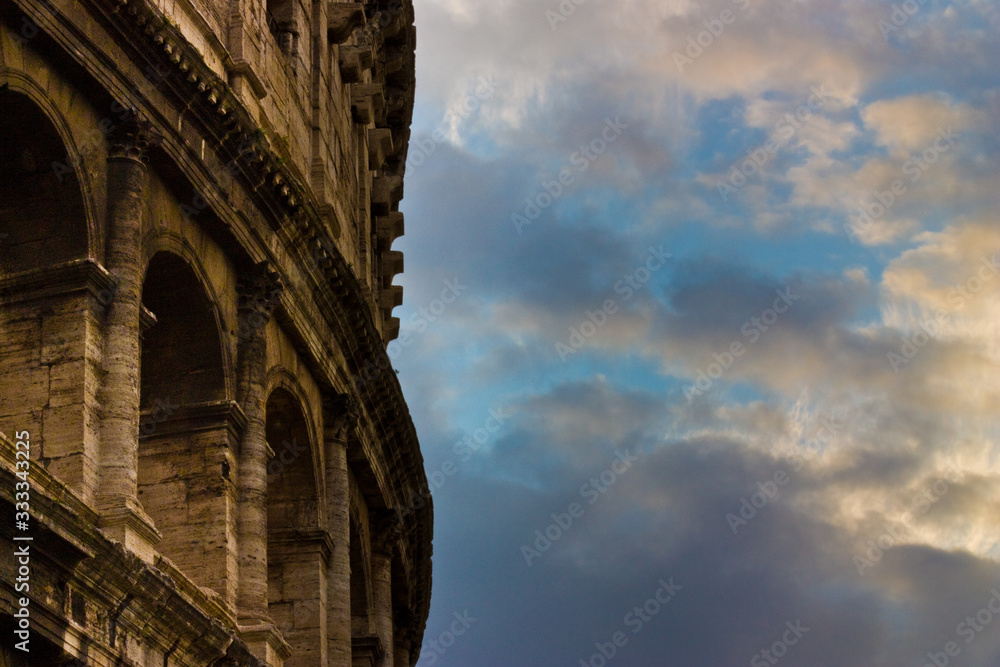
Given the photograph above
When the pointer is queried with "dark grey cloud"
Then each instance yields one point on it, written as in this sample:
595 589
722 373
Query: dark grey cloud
666 518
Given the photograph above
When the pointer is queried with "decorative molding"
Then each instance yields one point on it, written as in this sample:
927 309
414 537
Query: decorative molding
366 649
51 281
171 420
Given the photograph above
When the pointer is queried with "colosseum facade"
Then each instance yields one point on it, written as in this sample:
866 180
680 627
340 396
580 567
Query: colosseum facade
206 455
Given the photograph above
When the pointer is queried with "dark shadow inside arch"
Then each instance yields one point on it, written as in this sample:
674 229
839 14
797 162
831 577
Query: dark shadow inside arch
42 217
187 436
361 603
296 547
291 483
44 338
181 353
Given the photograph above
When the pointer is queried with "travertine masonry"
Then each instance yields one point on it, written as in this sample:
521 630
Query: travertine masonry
198 202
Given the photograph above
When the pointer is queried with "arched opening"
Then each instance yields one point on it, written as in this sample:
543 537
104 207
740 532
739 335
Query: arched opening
49 308
189 431
42 217
365 644
361 603
297 550
181 353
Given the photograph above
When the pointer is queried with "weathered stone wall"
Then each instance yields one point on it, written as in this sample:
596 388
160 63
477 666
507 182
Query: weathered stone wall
196 214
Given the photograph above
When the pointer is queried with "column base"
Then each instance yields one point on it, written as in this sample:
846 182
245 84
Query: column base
264 640
124 520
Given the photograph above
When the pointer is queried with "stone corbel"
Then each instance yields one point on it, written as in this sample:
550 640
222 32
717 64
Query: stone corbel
342 19
388 228
354 61
392 263
385 191
395 99
391 330
392 296
367 100
379 147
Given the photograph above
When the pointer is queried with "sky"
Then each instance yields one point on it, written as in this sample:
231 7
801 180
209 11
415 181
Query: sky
701 331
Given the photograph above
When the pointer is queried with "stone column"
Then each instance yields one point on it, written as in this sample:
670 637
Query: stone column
403 647
385 533
259 291
121 515
340 415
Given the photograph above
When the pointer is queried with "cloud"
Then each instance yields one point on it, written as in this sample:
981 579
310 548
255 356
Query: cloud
881 400
912 123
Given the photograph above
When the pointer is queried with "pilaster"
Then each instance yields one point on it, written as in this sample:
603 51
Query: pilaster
259 291
121 515
340 416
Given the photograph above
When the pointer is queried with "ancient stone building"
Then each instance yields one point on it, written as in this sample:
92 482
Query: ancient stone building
206 455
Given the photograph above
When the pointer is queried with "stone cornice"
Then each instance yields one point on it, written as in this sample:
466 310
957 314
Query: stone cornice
64 531
73 276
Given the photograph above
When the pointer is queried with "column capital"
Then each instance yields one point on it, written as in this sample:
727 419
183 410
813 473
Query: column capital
386 529
132 138
259 291
340 414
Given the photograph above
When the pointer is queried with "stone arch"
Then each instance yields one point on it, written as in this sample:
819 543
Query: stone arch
298 549
182 360
39 176
189 429
292 479
282 381
165 243
51 297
